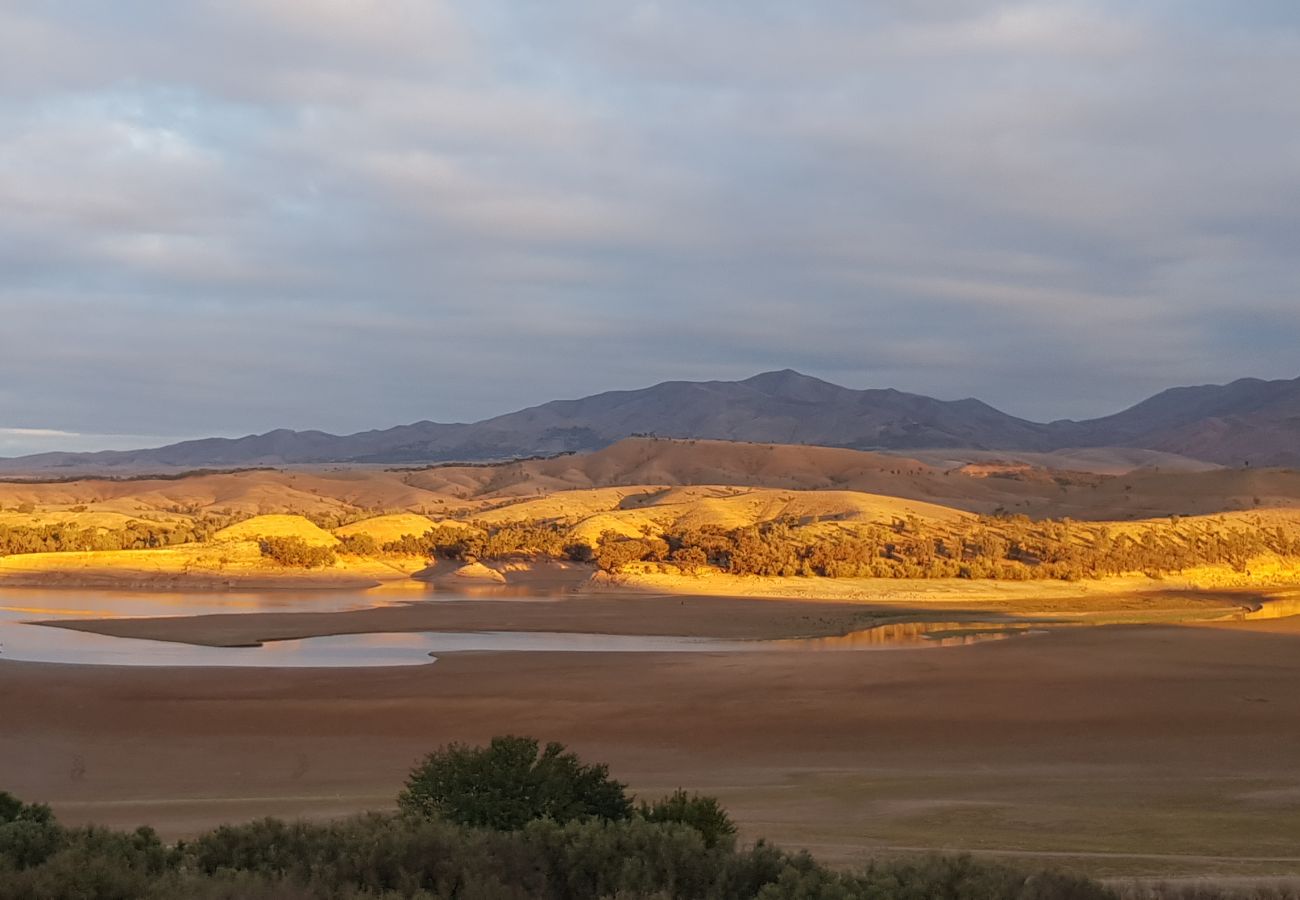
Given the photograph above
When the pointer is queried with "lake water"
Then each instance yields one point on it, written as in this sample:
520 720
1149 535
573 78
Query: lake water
21 640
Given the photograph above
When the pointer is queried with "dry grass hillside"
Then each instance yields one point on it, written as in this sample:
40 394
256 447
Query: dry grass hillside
277 526
1095 460
634 487
383 529
241 493
647 509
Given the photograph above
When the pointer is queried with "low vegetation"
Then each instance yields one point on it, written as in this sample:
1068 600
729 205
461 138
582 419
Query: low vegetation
63 537
511 820
297 553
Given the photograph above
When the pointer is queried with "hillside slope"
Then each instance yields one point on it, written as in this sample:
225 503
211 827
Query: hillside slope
1246 422
449 491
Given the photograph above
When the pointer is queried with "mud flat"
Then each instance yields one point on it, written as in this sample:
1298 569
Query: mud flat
1119 750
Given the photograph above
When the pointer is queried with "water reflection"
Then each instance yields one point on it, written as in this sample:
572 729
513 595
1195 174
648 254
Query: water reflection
41 643
1279 607
900 635
26 642
49 603
21 640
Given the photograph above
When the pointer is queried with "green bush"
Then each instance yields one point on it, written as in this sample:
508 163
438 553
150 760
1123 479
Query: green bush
704 814
28 833
509 783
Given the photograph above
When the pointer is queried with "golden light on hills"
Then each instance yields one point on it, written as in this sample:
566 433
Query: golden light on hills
273 526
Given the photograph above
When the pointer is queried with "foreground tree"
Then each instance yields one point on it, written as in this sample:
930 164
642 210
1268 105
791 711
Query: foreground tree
704 814
510 783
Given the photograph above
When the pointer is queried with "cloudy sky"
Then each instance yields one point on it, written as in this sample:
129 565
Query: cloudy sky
224 216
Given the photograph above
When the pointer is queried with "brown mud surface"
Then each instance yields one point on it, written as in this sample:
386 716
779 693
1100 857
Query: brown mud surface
1119 750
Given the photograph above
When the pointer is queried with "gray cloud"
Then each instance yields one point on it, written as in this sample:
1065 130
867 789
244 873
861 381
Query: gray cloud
227 217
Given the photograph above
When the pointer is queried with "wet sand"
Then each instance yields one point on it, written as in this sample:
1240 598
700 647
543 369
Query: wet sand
1116 750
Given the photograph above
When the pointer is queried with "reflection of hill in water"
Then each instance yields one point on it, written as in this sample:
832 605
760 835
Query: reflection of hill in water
908 634
21 640
1278 607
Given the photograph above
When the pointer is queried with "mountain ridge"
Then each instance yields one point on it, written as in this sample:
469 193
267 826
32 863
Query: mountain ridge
1249 421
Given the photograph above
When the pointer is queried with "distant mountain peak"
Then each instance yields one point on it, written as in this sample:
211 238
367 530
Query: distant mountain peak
779 376
792 385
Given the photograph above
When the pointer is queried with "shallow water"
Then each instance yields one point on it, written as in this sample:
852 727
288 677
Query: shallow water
21 640
901 635
1279 607
51 603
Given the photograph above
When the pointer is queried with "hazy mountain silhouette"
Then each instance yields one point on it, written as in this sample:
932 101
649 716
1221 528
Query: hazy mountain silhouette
1246 421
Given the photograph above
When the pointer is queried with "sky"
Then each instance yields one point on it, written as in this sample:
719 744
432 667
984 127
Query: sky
225 216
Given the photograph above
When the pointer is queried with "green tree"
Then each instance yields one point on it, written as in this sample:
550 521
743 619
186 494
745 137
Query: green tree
29 835
704 814
509 783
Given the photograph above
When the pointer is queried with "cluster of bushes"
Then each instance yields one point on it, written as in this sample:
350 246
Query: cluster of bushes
64 537
513 820
358 545
991 547
297 553
484 541
999 547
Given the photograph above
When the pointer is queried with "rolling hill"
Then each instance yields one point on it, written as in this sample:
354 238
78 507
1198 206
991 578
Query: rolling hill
634 472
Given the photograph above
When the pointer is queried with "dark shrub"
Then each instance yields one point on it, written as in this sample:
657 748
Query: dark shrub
509 783
295 552
704 814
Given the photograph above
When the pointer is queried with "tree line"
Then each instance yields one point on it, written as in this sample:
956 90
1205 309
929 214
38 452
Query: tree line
983 547
1000 548
997 547
65 537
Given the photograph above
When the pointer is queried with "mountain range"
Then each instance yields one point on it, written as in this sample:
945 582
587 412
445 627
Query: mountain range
1247 422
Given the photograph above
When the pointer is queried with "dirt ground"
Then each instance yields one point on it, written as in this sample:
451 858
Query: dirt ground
1117 750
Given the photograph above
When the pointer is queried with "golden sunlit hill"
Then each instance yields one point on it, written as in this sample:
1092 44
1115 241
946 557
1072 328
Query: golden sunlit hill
338 496
643 510
277 526
383 529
